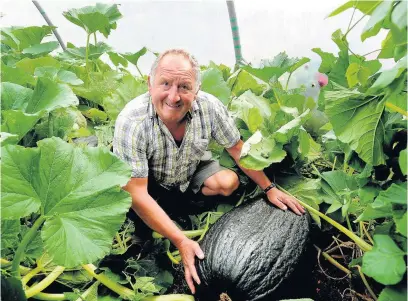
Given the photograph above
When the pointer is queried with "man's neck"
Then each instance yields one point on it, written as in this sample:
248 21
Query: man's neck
177 129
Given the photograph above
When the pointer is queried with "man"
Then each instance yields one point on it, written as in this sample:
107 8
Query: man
164 135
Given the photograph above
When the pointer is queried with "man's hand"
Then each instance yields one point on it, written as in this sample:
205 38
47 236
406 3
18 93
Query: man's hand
188 250
283 201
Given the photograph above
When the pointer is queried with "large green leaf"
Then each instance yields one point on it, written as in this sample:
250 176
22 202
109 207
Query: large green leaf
387 47
387 77
134 57
100 86
328 60
357 122
259 152
43 48
49 95
9 233
19 123
392 293
339 181
285 133
396 194
128 89
382 205
78 191
59 75
399 15
366 7
403 162
16 75
385 262
276 67
241 81
60 123
94 51
338 72
101 17
18 165
307 190
29 65
252 109
225 70
400 220
20 38
360 72
7 138
117 59
377 19
213 82
14 96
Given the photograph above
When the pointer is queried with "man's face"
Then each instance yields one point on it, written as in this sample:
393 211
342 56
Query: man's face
174 88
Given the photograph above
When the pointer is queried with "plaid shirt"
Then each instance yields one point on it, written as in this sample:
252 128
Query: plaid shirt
142 140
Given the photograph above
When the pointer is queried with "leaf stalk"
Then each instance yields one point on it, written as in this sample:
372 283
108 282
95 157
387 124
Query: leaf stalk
28 237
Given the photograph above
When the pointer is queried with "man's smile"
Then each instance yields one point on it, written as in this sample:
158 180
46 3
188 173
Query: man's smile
175 106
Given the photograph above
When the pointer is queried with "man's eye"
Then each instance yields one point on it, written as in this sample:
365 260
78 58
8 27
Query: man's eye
165 83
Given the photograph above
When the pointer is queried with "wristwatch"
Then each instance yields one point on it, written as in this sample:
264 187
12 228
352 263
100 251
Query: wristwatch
269 187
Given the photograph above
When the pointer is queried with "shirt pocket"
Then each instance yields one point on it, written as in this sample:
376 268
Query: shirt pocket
198 148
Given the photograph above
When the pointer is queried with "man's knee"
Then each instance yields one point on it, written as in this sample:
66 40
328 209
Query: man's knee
229 184
224 182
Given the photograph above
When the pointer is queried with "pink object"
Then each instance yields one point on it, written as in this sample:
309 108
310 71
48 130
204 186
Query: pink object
322 79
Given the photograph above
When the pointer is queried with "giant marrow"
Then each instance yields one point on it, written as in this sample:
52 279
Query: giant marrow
251 250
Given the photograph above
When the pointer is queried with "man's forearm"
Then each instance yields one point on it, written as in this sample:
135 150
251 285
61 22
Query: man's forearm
155 217
258 176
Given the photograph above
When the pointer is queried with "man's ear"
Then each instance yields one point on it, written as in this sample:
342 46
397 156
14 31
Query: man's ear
198 89
149 86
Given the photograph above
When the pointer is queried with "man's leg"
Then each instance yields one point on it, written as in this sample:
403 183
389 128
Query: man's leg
223 182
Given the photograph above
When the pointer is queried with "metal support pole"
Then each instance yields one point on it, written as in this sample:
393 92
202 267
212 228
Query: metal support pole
50 24
235 31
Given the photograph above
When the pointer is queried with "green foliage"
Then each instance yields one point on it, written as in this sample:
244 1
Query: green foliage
101 17
212 82
349 156
46 180
385 262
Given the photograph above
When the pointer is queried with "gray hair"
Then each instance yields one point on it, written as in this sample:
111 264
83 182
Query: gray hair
187 55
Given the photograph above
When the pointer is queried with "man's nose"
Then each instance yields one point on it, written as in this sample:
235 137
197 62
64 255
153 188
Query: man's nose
173 94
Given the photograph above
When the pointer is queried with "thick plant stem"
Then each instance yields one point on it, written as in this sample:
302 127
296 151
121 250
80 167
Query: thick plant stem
348 223
365 282
85 294
333 261
87 53
50 297
367 234
43 284
138 70
117 245
122 291
4 264
31 274
28 237
172 258
394 108
189 234
175 297
361 243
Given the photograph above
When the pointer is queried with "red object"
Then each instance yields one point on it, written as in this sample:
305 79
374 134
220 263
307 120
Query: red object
322 79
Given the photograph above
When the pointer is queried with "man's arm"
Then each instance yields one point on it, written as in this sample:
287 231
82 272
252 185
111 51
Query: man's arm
157 219
275 196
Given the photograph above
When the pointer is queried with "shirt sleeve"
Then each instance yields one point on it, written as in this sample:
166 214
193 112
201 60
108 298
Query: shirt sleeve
130 145
223 128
